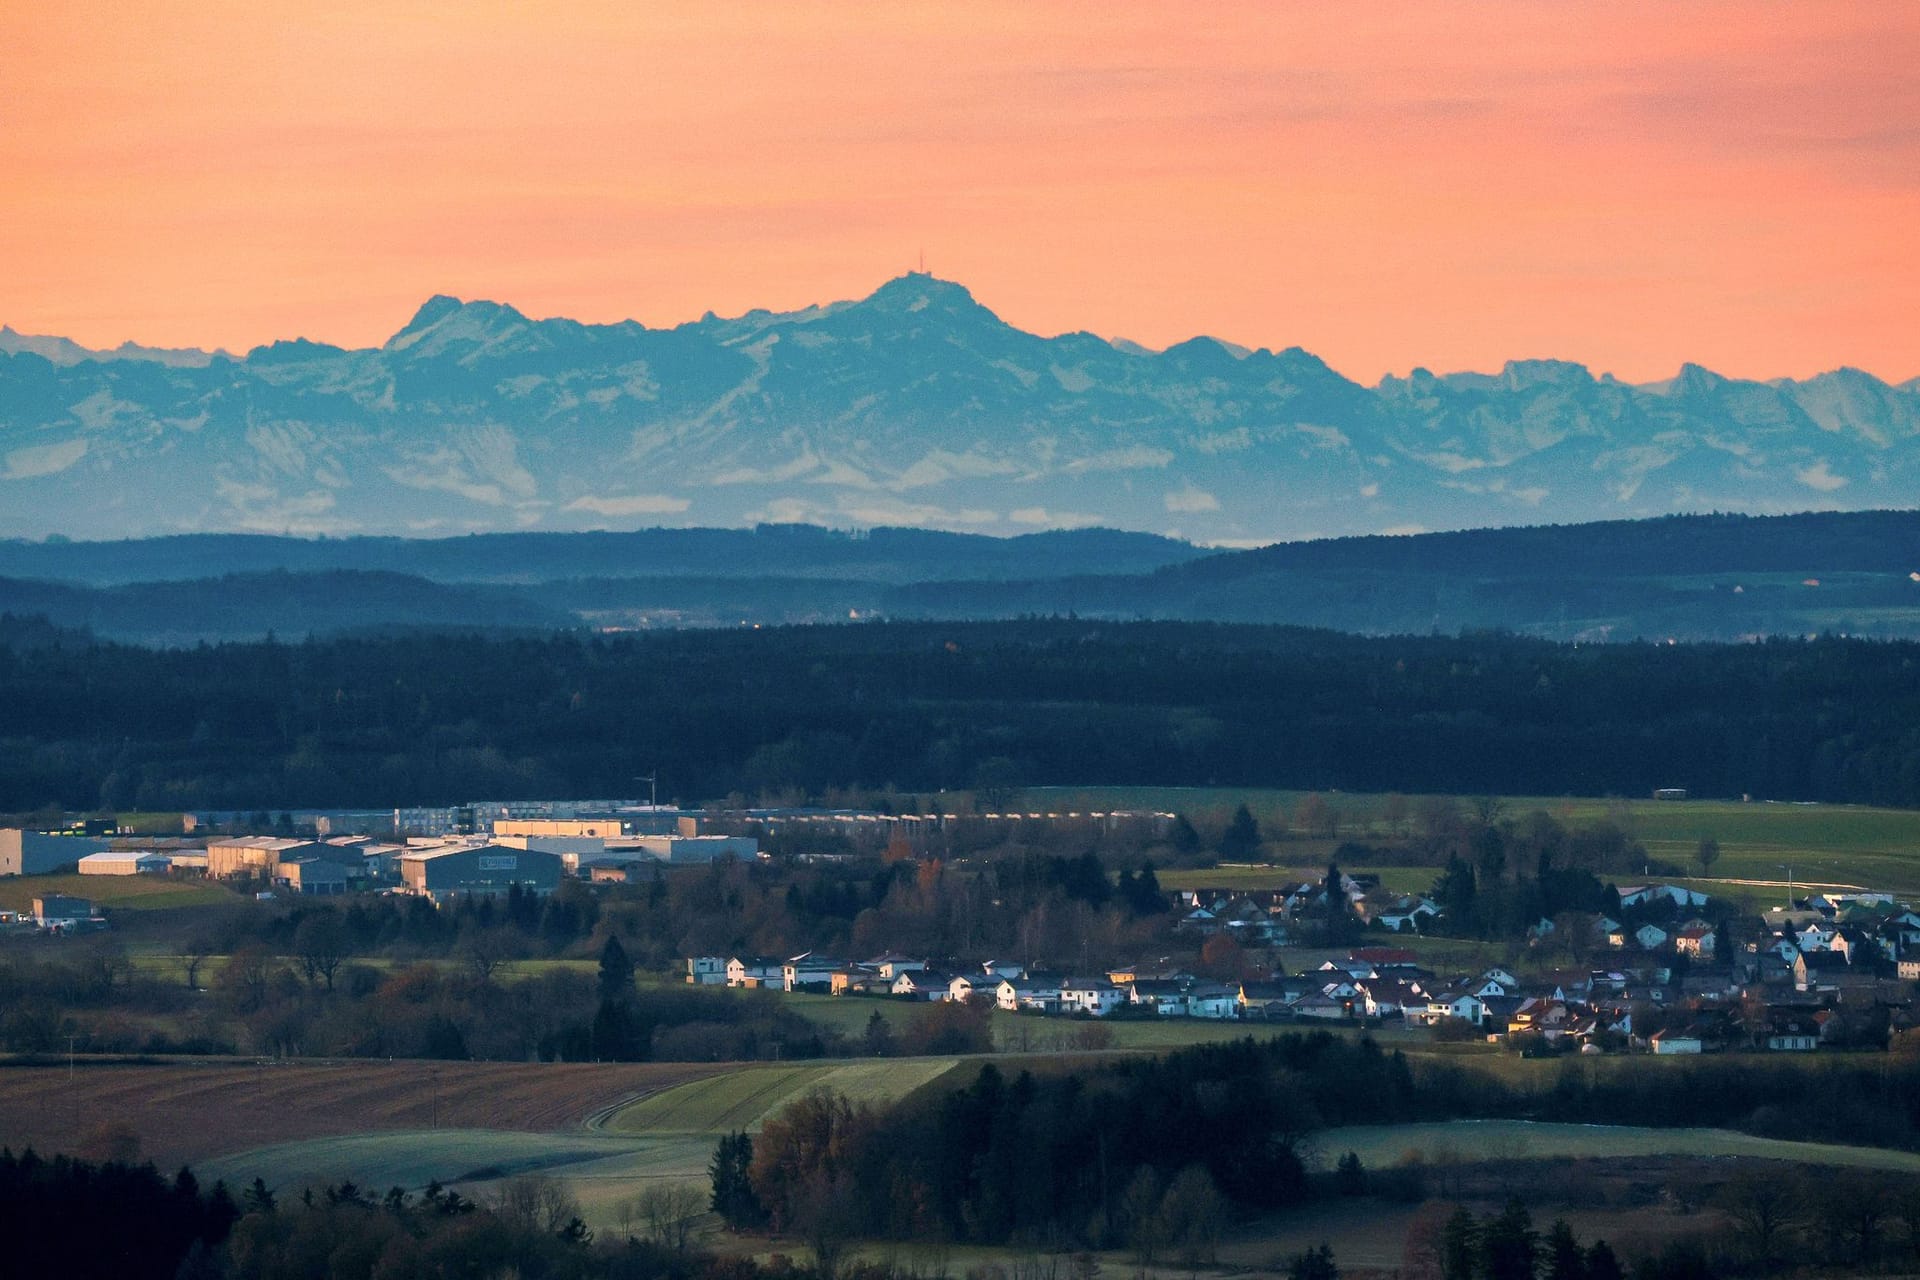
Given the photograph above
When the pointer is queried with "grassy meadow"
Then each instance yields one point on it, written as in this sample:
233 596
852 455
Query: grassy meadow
131 893
1825 845
746 1098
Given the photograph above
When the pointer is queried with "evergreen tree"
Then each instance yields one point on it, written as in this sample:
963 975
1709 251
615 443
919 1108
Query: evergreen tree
733 1196
1508 1243
1455 893
616 971
1314 1264
1601 1262
257 1198
1242 838
1460 1247
1565 1261
878 1037
1339 910
1183 837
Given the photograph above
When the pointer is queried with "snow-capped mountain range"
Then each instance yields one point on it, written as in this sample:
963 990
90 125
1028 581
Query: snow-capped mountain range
913 406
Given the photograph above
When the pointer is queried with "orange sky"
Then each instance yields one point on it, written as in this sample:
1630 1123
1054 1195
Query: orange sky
1445 184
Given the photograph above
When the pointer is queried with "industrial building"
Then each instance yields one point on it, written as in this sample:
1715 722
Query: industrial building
36 853
125 862
311 876
450 871
60 914
692 849
604 828
256 857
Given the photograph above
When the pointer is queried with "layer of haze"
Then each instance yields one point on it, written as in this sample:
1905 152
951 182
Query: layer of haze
1442 184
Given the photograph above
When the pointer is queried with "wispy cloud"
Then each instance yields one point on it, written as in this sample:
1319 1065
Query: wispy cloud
1820 477
634 504
1190 499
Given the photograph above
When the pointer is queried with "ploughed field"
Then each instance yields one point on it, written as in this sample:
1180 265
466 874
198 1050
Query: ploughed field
603 1157
189 1110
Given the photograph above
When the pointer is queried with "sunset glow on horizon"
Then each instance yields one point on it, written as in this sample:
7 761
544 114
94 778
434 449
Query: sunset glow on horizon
1448 185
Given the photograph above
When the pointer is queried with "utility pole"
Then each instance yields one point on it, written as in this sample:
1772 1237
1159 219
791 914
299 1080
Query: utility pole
653 788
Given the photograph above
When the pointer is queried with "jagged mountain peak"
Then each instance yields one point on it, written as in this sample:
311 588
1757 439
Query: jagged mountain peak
447 325
920 291
1693 379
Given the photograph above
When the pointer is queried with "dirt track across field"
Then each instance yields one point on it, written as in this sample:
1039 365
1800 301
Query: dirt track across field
187 1109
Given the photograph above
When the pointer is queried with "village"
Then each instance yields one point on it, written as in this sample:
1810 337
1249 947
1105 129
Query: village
1834 971
1666 970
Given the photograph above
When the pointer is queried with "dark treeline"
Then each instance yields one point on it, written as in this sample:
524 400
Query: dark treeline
1177 1142
438 718
72 1218
116 1221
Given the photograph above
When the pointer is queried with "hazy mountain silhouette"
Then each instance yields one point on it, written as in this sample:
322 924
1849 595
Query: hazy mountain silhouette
913 406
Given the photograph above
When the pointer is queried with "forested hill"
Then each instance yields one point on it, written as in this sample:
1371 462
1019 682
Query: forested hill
434 718
795 551
1715 577
1709 577
1816 541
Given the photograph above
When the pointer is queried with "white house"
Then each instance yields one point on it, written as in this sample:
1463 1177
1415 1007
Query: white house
921 984
892 965
1676 1042
706 971
1450 1004
1694 941
1034 995
1649 936
1213 1001
1096 998
960 987
754 971
809 970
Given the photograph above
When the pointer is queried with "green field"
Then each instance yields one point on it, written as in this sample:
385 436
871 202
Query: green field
1826 845
744 1099
119 892
1464 1141
601 1170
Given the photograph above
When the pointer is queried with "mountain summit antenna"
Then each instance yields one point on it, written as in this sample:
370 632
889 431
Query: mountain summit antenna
923 262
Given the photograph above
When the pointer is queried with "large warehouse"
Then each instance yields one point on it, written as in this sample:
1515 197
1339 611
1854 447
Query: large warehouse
680 849
449 871
257 857
34 853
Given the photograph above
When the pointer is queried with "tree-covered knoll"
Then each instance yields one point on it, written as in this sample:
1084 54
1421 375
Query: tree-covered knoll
920 707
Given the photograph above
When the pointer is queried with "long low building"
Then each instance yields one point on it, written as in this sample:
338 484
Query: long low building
35 853
451 871
125 862
689 849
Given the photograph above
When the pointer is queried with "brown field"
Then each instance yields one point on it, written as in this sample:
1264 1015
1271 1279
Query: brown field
187 1109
